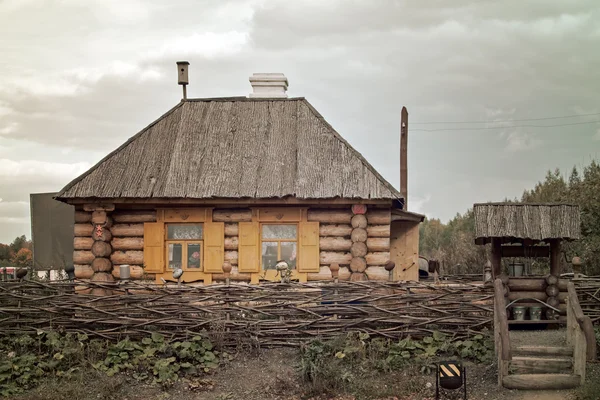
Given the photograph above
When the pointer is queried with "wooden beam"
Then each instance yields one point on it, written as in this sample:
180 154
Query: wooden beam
496 258
525 251
234 201
555 258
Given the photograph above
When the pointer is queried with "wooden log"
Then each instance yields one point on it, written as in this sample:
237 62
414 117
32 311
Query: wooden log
377 274
231 243
541 381
358 264
330 216
330 257
334 244
551 279
232 215
358 277
359 235
359 221
99 217
335 230
121 230
83 271
82 257
134 216
324 274
128 243
501 325
344 274
552 290
553 301
83 230
531 284
537 365
527 295
127 257
135 272
379 216
232 229
101 277
99 207
82 243
358 249
378 244
232 257
101 264
378 231
379 258
101 249
103 234
82 217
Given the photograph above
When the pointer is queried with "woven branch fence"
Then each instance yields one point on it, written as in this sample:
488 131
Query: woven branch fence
588 293
264 315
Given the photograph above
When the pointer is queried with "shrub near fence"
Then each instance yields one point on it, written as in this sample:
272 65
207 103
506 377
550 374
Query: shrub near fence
266 314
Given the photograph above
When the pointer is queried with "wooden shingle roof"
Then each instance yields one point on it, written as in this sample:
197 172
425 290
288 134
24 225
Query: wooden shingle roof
234 148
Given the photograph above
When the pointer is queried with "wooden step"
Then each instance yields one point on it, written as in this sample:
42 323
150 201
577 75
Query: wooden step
563 351
540 365
541 381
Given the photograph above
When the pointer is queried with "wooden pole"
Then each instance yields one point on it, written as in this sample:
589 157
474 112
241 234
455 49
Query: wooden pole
496 258
403 156
555 257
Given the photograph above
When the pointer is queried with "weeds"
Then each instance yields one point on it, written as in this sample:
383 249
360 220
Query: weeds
26 361
347 363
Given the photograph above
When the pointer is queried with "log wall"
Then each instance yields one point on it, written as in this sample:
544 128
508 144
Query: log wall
358 243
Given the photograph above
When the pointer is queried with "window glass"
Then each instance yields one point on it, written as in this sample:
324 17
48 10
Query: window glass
279 231
175 255
269 255
288 253
184 231
193 251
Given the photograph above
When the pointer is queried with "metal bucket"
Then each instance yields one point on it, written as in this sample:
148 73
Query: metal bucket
519 313
535 313
516 269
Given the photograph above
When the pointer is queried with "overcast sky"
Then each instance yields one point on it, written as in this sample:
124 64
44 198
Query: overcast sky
79 77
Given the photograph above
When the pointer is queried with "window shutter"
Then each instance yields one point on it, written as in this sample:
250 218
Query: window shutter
308 260
214 246
154 247
248 251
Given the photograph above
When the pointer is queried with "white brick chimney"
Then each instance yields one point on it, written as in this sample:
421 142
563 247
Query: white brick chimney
269 85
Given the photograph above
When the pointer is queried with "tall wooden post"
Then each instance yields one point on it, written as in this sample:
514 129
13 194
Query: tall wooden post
555 257
496 258
403 156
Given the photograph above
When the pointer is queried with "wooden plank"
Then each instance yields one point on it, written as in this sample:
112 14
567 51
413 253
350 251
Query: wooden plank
541 381
499 303
539 365
525 251
564 351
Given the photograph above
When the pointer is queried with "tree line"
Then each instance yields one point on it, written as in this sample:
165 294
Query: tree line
453 245
17 254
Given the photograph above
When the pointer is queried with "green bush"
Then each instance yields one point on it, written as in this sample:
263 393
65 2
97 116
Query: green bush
332 365
26 360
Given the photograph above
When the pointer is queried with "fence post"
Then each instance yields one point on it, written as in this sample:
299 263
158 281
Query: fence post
335 269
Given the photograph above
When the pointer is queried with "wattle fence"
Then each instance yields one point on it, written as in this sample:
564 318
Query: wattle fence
269 314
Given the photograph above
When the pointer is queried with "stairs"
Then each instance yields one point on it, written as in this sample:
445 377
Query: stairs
541 368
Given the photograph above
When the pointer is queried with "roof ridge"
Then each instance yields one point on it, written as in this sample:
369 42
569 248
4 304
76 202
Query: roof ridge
118 149
356 152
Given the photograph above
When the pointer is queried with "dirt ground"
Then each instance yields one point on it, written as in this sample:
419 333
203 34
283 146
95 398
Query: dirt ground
271 375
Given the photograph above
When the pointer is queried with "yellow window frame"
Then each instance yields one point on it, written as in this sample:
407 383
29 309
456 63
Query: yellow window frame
278 241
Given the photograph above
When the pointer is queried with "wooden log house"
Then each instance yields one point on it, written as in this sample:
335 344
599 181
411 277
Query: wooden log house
244 181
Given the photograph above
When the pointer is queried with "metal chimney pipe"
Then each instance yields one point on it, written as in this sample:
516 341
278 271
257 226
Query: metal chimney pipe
403 156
